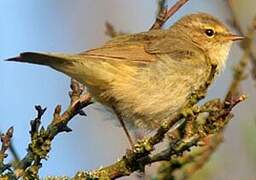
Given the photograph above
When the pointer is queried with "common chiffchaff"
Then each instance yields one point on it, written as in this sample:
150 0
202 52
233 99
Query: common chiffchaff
148 76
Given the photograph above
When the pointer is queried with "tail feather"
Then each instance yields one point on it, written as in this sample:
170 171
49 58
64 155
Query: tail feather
87 70
41 59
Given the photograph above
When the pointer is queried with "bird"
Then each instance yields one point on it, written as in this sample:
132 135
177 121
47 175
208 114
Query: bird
147 77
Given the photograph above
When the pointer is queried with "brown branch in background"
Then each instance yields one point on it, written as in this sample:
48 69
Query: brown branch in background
235 21
111 31
248 54
165 14
239 70
239 29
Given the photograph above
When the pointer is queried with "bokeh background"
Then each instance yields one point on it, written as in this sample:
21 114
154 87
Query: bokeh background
74 26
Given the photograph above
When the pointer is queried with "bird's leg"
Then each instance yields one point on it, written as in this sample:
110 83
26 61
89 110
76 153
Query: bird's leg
124 127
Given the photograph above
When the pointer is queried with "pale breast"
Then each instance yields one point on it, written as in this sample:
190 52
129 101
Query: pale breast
155 92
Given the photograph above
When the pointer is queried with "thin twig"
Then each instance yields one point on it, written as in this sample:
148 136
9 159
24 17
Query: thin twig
166 14
111 31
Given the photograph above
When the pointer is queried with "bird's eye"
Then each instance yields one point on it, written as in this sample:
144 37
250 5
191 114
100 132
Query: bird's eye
209 32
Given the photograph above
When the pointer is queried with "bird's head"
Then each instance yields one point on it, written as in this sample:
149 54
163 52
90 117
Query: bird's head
209 34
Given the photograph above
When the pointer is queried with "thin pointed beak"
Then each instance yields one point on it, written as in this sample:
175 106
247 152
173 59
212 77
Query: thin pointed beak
234 37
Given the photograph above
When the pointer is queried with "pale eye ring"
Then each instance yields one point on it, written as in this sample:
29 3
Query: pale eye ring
209 32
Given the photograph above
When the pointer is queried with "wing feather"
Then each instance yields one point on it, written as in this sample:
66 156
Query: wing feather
146 47
129 48
132 53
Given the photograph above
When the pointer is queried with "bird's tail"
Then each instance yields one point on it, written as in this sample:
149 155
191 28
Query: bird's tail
42 59
87 70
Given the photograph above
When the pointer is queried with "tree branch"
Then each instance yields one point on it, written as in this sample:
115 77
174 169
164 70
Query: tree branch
41 138
186 165
111 31
165 14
